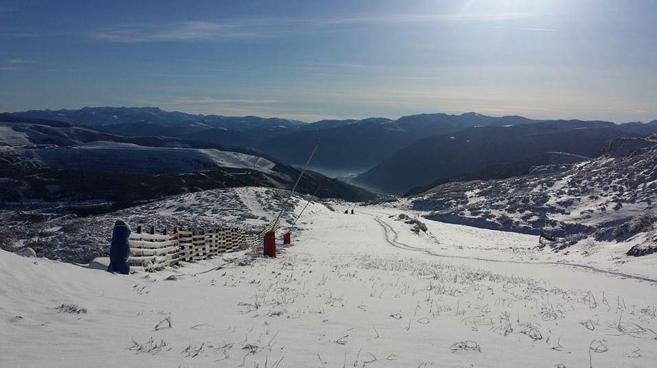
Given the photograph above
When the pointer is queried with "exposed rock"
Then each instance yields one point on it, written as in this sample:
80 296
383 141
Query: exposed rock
642 250
608 198
26 252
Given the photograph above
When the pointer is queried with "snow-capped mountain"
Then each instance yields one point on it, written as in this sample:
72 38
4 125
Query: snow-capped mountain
348 146
46 164
608 198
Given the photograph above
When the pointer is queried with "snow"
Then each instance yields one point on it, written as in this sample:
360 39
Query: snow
113 156
79 239
357 290
239 160
597 199
12 138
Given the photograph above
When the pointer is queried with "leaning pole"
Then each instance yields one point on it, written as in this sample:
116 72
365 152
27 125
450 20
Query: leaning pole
269 241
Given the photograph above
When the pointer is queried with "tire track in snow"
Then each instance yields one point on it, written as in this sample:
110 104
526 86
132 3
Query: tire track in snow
391 237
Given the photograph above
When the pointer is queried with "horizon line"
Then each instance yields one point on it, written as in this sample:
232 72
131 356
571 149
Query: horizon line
326 118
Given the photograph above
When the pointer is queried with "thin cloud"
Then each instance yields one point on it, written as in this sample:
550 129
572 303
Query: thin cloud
529 29
18 61
14 34
206 30
388 19
219 101
181 32
12 64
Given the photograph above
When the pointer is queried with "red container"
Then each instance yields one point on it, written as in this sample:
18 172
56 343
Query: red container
270 244
287 238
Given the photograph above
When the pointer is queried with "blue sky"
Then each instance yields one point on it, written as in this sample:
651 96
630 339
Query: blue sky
590 59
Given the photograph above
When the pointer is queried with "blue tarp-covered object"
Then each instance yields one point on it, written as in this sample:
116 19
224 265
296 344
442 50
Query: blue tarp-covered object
120 248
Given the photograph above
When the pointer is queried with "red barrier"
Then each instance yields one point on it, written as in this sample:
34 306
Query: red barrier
270 244
287 239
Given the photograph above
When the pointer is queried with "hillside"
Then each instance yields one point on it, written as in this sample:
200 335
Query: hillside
105 156
33 132
152 121
360 290
456 156
361 144
80 239
349 146
544 163
610 198
56 166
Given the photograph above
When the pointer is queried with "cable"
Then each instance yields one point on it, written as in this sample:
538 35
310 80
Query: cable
287 201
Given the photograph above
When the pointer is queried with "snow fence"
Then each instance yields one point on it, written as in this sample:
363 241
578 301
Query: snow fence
150 251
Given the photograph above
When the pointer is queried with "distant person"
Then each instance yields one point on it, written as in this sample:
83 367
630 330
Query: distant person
120 248
346 212
352 211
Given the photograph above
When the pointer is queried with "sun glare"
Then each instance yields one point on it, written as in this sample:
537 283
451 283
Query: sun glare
508 8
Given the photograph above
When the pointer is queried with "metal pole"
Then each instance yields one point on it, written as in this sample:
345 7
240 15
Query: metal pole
305 166
312 154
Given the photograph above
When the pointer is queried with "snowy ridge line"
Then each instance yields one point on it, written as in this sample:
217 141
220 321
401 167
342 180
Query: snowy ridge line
391 237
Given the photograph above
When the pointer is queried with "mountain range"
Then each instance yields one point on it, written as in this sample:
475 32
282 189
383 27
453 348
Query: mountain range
348 145
391 156
70 168
459 155
575 180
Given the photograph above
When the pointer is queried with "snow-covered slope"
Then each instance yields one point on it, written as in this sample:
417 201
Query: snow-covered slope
125 157
31 134
59 146
57 168
608 198
79 239
11 137
358 290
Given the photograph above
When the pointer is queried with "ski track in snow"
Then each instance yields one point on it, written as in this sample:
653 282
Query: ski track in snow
391 237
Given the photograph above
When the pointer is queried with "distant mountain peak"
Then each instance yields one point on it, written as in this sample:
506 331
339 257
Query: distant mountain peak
473 114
